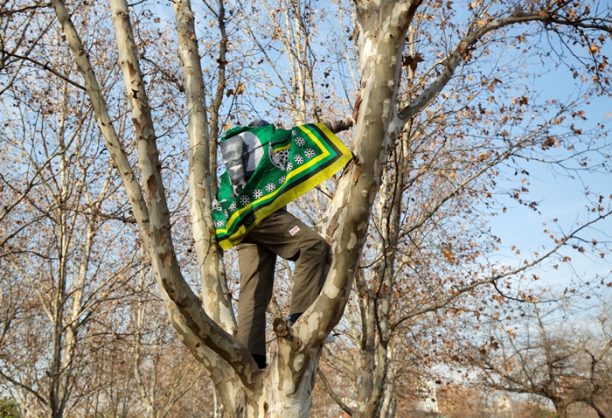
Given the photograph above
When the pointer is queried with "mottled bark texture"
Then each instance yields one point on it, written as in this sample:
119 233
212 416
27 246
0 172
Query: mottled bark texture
214 292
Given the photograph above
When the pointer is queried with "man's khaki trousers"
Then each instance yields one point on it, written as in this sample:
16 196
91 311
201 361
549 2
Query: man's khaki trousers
280 234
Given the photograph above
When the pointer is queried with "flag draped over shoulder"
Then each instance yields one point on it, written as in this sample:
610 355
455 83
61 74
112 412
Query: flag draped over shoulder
284 165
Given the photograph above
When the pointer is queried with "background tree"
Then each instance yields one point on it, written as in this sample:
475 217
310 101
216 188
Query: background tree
549 357
67 248
63 196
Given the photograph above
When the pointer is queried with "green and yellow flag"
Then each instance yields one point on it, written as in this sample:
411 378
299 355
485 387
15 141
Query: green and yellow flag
284 164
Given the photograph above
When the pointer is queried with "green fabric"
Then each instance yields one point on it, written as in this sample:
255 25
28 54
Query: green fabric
292 163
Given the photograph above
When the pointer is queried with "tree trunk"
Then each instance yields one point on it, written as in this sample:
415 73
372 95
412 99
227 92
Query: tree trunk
285 389
389 404
57 395
372 365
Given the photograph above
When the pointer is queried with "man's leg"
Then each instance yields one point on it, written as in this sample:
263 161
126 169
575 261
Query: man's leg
256 283
288 237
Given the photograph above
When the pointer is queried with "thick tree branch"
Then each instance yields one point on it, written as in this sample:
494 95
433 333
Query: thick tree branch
103 119
194 326
357 189
214 291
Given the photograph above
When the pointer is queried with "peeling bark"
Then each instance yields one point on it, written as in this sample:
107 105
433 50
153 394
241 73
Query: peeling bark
206 326
214 290
380 65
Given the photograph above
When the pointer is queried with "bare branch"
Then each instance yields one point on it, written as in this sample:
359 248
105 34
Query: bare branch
44 66
474 35
458 291
24 386
332 393
201 143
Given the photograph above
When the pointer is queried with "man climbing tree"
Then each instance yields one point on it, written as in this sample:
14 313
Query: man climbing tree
266 168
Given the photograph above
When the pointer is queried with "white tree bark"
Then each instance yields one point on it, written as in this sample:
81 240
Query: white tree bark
194 326
214 291
347 219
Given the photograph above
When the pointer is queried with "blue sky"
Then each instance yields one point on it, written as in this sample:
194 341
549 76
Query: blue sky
560 196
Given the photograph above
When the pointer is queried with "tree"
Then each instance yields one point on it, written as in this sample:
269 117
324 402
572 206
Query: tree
565 365
390 105
52 249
